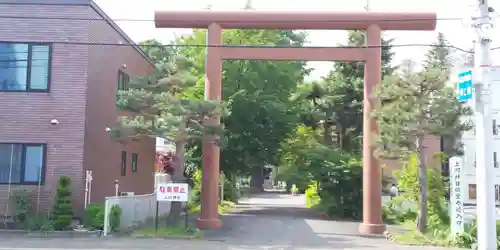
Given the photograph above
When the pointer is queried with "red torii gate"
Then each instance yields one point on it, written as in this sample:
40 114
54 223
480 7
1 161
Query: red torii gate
372 22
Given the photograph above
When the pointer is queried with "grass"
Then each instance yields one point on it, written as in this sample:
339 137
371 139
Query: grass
179 231
224 208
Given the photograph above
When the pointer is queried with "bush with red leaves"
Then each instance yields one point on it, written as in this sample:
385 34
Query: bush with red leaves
165 162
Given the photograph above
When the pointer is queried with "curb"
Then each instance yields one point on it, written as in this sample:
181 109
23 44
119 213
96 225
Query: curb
51 234
180 237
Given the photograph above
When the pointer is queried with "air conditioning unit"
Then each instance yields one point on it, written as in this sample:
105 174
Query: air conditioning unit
127 193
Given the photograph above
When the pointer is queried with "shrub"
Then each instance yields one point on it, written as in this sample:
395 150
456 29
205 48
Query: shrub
94 216
21 199
312 197
406 205
63 207
114 218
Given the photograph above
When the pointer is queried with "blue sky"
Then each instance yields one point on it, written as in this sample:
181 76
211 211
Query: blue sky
456 31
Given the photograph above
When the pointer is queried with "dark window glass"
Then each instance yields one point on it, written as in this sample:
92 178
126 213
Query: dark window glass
124 163
24 67
134 162
123 80
22 163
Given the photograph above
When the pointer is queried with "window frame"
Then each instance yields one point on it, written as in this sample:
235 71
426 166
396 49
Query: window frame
122 75
23 164
123 167
134 162
29 64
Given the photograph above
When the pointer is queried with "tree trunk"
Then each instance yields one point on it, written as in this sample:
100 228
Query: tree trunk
257 180
174 216
327 134
422 169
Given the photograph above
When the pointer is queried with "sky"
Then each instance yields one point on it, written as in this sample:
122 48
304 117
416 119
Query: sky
458 32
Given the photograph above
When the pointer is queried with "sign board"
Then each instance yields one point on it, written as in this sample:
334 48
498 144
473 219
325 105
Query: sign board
172 192
464 86
457 192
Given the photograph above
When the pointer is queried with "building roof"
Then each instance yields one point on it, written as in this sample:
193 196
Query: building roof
94 6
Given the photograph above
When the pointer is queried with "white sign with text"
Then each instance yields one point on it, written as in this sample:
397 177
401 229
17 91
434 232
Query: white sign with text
457 194
172 192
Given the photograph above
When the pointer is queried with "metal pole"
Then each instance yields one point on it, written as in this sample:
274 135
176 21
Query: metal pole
486 229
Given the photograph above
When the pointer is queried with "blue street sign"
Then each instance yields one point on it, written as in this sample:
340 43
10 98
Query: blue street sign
465 86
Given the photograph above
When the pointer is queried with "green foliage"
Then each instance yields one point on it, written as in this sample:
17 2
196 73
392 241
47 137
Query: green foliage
312 197
336 102
294 150
62 213
257 94
21 199
114 218
94 216
403 208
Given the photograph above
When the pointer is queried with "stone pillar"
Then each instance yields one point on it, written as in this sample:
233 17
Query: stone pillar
209 216
372 176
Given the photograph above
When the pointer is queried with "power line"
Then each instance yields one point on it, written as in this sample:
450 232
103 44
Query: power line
253 21
233 45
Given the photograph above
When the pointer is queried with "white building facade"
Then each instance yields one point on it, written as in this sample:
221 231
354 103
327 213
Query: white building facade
469 142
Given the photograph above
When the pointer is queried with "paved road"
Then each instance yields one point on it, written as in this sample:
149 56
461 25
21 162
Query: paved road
267 221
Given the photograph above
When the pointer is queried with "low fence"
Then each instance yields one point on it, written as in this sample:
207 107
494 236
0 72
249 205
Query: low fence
135 210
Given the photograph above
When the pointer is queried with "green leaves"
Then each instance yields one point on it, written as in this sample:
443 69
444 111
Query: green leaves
157 107
413 104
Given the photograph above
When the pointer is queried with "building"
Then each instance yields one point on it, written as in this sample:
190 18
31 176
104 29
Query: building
58 86
468 140
164 145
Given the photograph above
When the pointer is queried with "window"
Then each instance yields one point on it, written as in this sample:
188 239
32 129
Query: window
134 162
495 162
123 80
25 67
472 192
497 192
495 129
124 163
22 163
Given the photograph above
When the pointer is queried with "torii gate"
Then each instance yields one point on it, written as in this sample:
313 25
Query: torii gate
372 22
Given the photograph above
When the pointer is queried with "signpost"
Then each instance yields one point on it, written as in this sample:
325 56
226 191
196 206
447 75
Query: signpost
465 86
457 193
173 192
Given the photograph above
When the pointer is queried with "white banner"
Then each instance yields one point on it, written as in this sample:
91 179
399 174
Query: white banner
172 192
457 194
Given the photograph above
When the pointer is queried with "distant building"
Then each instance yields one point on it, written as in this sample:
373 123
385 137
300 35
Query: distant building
469 140
164 145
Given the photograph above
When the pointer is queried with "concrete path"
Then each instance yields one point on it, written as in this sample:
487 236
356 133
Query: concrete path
267 221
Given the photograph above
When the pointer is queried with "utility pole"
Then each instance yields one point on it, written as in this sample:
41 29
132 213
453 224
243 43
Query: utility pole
486 214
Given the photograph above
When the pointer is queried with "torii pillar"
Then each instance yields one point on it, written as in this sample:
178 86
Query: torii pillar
372 22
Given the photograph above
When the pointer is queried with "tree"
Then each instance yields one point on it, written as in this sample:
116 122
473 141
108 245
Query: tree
440 55
258 98
338 99
157 51
63 205
158 108
412 106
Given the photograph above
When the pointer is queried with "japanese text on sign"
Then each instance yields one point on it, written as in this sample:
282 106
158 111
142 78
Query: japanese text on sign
172 192
457 194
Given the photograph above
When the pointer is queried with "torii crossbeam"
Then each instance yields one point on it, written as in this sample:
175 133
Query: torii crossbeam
372 22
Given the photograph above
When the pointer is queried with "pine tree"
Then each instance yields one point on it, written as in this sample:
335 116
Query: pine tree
158 108
412 106
341 96
440 55
63 205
